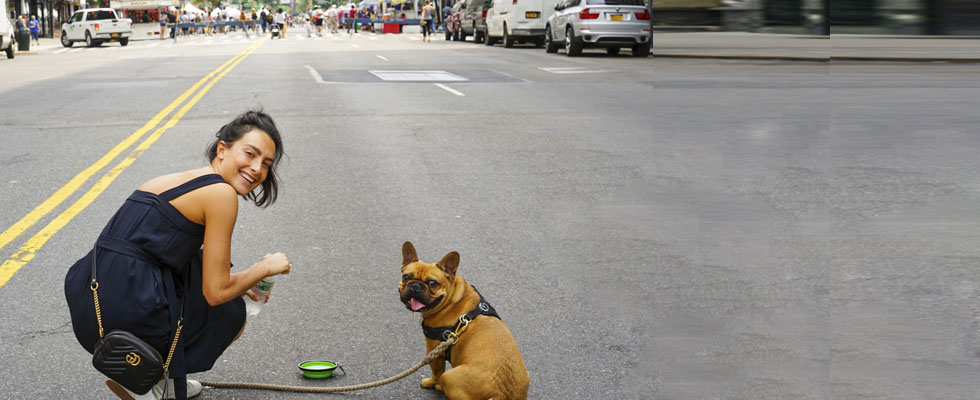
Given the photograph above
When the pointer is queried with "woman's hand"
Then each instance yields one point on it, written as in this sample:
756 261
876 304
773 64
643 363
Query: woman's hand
277 263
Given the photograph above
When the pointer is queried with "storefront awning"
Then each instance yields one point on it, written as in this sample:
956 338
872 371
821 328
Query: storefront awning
141 4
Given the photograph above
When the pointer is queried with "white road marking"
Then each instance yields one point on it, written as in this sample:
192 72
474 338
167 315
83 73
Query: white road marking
416 76
573 70
61 51
450 90
316 75
382 57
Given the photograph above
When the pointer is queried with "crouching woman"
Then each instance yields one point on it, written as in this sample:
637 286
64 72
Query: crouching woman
174 232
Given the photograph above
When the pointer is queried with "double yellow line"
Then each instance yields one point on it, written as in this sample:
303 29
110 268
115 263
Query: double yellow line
28 250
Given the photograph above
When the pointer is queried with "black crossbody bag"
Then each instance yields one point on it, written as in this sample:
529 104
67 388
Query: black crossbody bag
127 359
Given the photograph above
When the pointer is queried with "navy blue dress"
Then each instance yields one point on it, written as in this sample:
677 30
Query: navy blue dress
144 239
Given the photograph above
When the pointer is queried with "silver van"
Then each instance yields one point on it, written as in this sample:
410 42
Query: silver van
609 24
473 20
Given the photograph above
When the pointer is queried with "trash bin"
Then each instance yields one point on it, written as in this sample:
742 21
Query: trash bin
23 41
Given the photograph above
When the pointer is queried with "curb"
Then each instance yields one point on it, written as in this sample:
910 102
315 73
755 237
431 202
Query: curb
823 59
734 57
908 59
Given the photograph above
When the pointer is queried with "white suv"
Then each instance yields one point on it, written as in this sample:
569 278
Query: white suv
609 24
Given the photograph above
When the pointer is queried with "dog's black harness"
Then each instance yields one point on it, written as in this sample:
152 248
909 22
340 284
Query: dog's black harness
443 333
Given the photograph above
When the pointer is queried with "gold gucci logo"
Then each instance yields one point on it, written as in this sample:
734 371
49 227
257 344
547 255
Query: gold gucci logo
133 359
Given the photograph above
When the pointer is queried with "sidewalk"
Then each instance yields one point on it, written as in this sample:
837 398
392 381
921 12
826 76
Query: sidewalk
761 46
743 45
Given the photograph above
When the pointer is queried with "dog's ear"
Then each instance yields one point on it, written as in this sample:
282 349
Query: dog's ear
449 263
408 254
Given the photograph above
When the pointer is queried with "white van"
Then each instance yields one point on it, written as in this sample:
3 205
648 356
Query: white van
518 21
7 39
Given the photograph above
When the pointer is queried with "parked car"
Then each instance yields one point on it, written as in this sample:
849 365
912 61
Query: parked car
452 22
609 24
473 19
513 21
94 26
7 36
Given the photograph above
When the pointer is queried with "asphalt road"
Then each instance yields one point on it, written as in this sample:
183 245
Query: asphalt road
670 229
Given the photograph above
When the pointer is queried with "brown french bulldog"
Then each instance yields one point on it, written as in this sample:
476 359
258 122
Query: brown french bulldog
486 361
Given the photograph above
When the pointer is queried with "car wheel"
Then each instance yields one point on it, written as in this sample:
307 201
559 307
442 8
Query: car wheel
123 41
549 43
572 48
88 39
508 41
64 39
10 51
487 40
612 50
641 50
478 36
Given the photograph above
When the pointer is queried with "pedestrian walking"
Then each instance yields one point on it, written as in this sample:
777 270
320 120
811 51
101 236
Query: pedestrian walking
263 18
351 17
280 19
318 20
426 19
35 26
21 23
167 252
163 26
172 21
332 20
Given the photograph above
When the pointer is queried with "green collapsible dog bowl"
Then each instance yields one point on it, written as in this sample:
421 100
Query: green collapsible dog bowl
319 369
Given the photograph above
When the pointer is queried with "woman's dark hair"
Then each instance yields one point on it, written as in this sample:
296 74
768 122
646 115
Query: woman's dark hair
233 131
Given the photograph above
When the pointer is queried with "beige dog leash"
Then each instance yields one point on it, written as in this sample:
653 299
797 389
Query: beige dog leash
438 351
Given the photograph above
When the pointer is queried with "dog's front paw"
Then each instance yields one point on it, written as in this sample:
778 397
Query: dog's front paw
428 383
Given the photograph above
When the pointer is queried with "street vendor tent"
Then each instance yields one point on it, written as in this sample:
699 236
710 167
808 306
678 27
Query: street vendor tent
192 9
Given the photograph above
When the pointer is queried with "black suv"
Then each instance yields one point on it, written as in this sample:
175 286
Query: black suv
473 20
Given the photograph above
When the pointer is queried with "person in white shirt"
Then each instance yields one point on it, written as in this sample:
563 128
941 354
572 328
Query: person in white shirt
332 19
280 19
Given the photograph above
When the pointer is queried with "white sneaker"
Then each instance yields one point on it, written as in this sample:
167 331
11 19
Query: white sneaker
193 389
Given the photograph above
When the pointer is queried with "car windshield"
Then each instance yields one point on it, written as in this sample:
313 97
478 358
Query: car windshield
93 15
615 2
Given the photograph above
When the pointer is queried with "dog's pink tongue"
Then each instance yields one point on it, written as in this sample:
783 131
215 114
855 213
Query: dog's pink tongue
415 304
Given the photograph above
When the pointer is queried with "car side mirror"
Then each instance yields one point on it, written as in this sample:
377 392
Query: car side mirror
557 7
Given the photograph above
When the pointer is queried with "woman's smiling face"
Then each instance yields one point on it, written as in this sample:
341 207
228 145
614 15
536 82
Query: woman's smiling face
245 163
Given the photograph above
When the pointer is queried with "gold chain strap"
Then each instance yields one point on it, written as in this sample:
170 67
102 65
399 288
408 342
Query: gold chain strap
98 311
166 366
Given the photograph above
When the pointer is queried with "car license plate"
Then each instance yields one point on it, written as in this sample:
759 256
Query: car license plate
530 15
616 17
115 35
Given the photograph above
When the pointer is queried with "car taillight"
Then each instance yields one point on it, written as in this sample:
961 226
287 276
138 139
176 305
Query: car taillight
585 14
484 13
96 26
645 15
515 2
